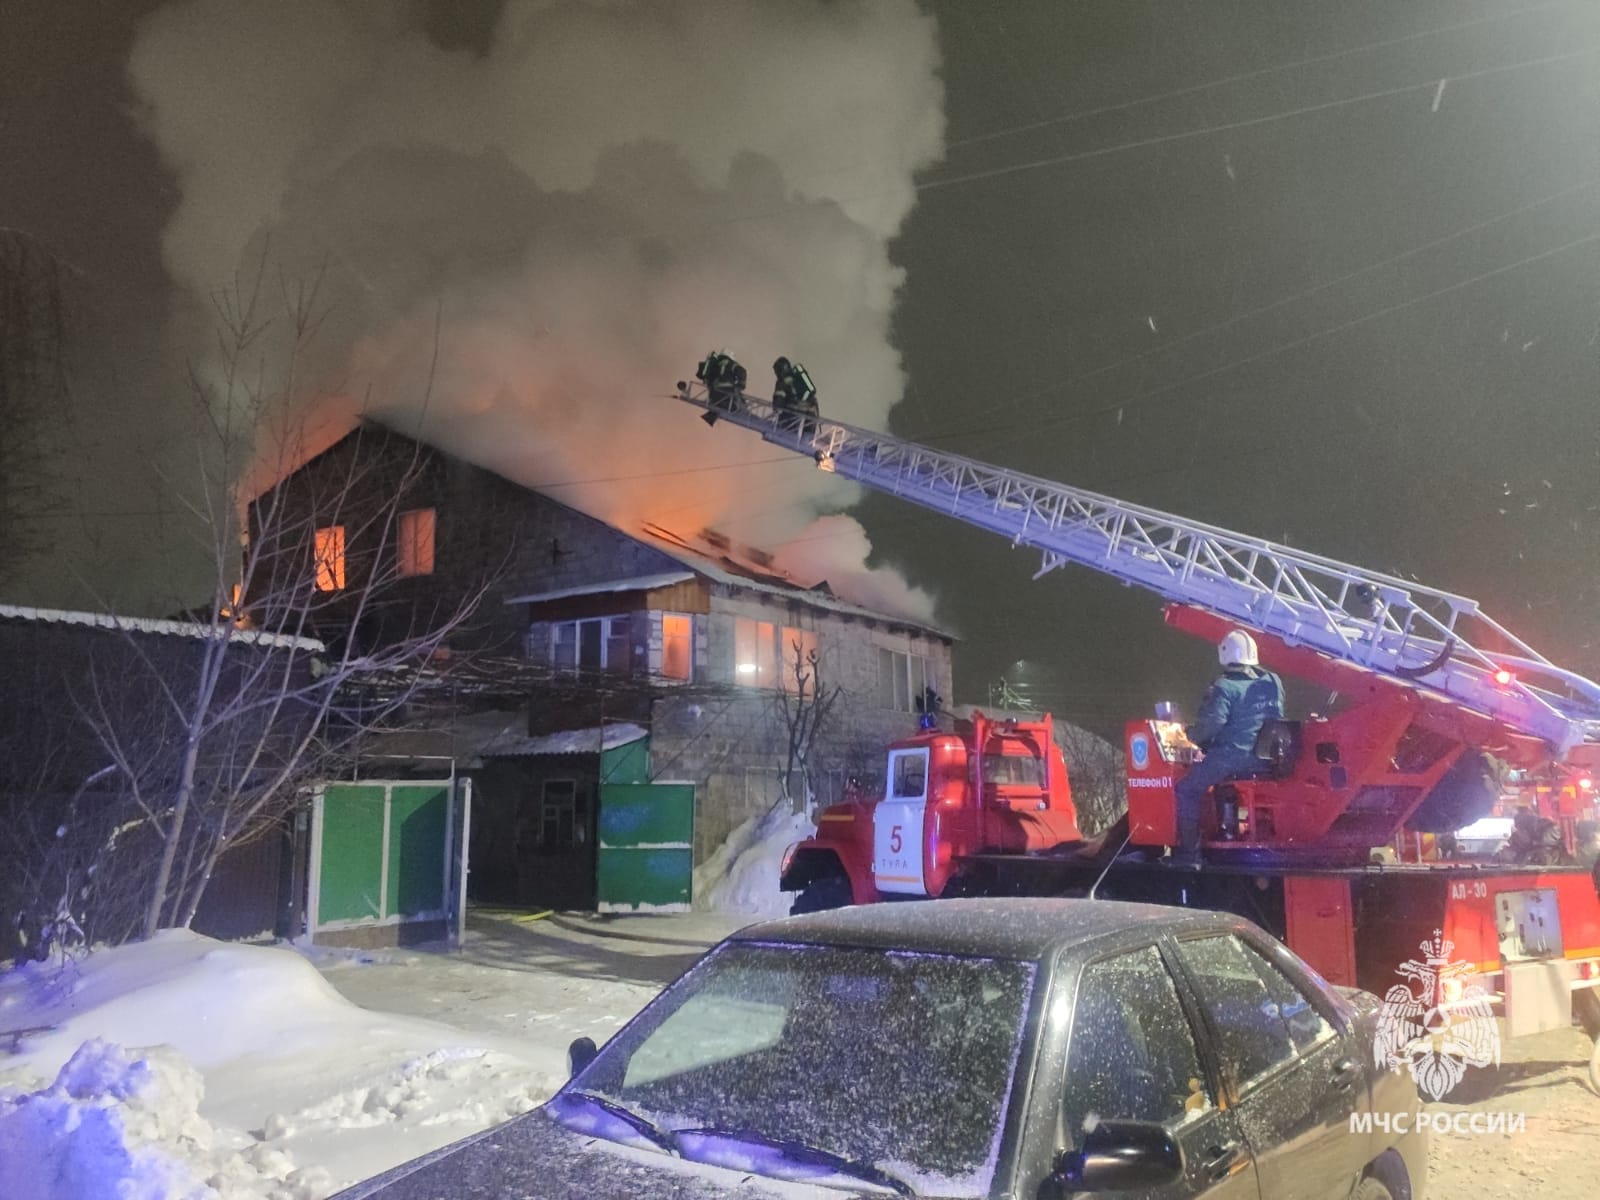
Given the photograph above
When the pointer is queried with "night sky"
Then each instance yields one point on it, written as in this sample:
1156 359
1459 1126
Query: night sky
1245 261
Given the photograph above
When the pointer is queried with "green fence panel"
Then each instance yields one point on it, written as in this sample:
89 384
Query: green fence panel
638 814
646 854
418 822
645 880
352 853
629 763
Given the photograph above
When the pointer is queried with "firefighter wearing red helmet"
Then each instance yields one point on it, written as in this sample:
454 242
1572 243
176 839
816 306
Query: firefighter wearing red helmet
1236 705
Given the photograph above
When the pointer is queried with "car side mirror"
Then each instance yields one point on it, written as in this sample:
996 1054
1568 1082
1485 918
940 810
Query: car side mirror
1117 1156
580 1054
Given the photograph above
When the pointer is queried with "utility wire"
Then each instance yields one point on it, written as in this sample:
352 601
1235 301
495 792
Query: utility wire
1247 123
1194 89
1283 302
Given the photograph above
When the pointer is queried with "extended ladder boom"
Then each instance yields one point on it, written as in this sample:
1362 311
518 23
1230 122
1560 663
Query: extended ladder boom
1394 626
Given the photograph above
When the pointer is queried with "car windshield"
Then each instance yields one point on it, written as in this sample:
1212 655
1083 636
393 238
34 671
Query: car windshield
899 1061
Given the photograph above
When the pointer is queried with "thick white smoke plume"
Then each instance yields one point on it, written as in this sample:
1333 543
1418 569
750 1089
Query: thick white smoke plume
581 212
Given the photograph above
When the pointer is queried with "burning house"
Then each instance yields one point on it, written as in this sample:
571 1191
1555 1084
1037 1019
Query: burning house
640 693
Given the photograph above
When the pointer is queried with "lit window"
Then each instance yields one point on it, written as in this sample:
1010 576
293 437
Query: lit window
798 647
677 646
597 644
755 653
764 654
330 558
902 679
416 541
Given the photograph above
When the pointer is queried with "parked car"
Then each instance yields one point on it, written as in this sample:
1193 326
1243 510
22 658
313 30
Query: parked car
967 1048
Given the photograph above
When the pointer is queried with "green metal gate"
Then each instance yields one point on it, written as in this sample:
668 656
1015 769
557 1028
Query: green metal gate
382 854
646 860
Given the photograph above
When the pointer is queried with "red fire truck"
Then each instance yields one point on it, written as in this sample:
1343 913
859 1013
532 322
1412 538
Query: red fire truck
1432 694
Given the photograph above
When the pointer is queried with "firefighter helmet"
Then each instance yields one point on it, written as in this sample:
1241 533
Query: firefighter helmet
1238 648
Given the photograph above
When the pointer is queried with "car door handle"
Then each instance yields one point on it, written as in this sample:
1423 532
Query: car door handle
1219 1160
1345 1073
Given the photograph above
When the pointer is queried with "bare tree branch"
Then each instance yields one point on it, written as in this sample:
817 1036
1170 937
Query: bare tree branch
286 682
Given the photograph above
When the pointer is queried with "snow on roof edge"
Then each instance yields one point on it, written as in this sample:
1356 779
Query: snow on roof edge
194 629
639 583
567 741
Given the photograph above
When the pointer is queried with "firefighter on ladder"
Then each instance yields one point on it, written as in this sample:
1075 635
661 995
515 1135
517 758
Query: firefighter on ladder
724 379
794 396
1239 702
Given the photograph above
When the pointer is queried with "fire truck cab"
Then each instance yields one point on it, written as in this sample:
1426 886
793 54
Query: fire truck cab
989 787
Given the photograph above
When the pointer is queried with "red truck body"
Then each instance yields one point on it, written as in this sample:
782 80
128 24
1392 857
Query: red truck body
987 809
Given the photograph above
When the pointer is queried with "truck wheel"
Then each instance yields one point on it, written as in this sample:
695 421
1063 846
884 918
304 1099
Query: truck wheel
1373 1188
831 891
1594 1067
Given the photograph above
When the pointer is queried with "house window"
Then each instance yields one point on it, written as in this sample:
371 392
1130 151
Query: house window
677 646
559 824
416 541
764 654
329 560
902 679
755 653
596 644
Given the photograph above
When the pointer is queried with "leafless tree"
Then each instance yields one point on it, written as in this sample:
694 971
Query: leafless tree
33 389
806 709
307 644
1098 776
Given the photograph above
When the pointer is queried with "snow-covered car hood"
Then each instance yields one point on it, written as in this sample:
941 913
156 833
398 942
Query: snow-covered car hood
535 1156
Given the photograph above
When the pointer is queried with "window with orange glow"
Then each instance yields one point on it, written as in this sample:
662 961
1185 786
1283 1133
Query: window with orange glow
677 646
416 541
330 558
755 658
764 655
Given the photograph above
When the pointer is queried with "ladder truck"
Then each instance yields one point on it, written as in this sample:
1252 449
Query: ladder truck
1428 685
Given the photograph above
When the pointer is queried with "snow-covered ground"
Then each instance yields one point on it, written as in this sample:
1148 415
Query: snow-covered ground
184 1067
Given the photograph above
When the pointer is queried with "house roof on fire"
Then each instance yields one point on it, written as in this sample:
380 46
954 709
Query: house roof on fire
723 561
710 555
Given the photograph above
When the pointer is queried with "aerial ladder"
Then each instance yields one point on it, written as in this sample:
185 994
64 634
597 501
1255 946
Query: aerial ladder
1427 681
1422 637
1430 679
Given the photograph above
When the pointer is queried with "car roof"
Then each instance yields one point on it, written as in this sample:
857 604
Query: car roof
1006 928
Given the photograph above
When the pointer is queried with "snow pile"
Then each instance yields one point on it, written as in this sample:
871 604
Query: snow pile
119 1124
260 1080
742 875
110 1125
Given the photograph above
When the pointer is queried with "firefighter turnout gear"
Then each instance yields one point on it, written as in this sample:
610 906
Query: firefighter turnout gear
794 396
1237 704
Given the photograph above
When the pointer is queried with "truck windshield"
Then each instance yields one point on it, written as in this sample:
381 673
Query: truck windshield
1023 769
904 1061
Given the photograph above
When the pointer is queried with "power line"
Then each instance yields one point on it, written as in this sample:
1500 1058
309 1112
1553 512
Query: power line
1135 399
1247 123
1388 310
1274 306
1194 89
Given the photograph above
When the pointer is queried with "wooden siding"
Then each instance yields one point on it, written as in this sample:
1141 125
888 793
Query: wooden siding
690 596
